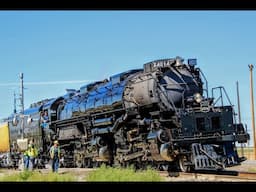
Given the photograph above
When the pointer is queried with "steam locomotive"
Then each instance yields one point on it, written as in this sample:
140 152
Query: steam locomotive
161 115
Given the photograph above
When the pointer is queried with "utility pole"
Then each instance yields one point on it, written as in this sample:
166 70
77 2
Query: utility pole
238 102
239 113
14 103
252 109
22 104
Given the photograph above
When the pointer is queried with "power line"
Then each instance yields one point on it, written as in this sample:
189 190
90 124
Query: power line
47 82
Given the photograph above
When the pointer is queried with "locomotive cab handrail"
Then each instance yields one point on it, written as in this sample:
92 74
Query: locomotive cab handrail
206 82
221 95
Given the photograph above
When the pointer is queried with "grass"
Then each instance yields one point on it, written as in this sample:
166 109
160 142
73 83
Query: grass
34 176
105 173
248 152
252 169
246 149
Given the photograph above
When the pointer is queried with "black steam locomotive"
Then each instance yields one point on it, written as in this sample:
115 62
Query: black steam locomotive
160 115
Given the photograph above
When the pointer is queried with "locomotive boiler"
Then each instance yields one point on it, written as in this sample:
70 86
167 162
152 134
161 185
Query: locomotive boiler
160 116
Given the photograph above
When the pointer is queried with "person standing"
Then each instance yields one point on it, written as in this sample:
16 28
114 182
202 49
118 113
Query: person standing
26 159
44 119
30 155
55 156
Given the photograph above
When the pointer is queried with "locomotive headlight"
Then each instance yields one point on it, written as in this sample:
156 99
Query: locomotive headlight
198 97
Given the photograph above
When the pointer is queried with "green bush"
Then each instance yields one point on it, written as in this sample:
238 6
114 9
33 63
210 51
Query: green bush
35 176
105 173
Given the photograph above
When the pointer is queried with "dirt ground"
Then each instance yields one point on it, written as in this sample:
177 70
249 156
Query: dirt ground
246 166
80 173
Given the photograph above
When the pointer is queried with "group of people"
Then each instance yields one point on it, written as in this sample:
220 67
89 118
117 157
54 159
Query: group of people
31 154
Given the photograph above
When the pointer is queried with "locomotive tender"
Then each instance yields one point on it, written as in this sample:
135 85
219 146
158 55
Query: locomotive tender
160 115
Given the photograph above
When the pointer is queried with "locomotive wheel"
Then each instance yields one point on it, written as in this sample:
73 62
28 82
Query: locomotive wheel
164 167
79 164
88 163
96 164
78 161
183 160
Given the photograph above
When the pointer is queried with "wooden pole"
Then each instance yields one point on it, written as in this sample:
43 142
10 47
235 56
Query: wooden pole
22 104
252 109
239 113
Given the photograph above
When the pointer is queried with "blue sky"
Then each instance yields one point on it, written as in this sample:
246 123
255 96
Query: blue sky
50 46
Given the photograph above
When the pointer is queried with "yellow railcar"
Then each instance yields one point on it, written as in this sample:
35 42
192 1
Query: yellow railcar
4 138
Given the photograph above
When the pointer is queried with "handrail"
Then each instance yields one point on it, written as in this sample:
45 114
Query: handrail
221 95
206 82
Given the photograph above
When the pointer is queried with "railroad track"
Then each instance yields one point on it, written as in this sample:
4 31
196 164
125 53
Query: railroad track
240 177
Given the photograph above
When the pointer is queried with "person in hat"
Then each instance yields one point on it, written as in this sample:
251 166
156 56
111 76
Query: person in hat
55 156
29 155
